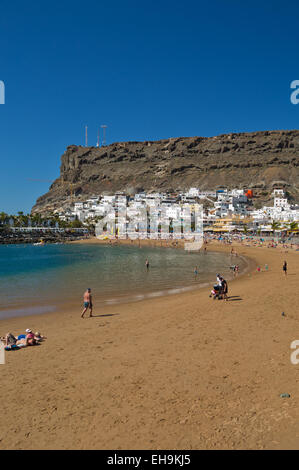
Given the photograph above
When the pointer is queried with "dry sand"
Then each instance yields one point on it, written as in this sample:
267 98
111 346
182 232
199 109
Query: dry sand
178 372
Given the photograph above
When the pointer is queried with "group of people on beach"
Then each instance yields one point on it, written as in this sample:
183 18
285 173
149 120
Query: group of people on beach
28 339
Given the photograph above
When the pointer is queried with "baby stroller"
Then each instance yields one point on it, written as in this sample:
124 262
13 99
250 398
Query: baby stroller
216 292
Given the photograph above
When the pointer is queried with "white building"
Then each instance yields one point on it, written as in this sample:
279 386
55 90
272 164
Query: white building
162 207
193 192
278 193
281 202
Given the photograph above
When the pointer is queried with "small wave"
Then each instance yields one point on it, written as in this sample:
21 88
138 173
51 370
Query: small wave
20 312
150 295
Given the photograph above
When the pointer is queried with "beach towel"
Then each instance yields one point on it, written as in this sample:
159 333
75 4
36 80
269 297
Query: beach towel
12 347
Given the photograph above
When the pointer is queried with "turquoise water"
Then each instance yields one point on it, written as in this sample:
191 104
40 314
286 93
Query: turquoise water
36 279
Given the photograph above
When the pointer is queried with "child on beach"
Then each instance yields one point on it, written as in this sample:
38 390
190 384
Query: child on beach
39 336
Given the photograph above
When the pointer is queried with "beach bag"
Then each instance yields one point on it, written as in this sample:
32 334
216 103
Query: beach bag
11 340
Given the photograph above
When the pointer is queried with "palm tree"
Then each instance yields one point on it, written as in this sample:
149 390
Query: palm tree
36 219
293 226
76 223
24 220
275 226
62 223
3 218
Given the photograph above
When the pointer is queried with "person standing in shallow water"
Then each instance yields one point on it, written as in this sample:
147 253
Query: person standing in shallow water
147 264
87 301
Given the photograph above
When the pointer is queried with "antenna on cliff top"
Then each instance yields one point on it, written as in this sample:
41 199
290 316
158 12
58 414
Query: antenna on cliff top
104 127
86 137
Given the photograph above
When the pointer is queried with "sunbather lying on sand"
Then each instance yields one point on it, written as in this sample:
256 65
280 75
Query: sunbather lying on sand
10 341
39 337
30 339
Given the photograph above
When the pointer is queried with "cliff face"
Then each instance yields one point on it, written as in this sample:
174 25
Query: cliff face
260 160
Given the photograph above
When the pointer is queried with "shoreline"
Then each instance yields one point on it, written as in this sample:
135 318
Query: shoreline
178 372
44 308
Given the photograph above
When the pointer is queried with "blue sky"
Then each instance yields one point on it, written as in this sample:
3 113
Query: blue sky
147 69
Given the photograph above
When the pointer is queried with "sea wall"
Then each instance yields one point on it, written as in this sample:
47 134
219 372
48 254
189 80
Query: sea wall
12 236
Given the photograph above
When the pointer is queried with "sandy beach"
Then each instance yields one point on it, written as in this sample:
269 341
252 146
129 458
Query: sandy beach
175 372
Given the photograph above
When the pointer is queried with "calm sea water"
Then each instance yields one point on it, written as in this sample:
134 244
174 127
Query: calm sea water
36 279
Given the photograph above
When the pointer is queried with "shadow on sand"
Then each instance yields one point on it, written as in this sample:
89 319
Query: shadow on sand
233 298
105 315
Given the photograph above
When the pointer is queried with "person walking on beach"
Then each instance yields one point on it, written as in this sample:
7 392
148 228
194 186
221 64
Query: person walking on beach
285 268
87 301
224 289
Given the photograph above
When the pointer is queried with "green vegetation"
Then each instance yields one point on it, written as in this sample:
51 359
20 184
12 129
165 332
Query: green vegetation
275 226
36 220
293 226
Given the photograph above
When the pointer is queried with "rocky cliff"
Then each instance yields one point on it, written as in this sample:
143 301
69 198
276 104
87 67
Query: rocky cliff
259 160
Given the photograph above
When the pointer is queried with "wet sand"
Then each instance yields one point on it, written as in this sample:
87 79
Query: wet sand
177 372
